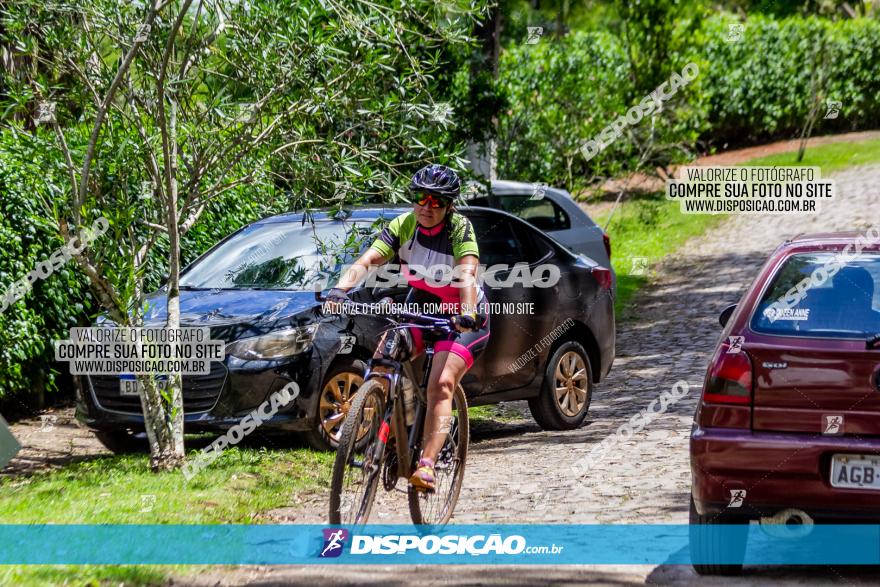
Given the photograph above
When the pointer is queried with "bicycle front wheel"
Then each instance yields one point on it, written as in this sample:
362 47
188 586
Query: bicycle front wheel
359 457
435 509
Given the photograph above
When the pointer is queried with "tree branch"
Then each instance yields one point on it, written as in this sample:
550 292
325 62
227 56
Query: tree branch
139 38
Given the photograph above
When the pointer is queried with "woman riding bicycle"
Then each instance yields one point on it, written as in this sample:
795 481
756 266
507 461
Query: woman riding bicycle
433 234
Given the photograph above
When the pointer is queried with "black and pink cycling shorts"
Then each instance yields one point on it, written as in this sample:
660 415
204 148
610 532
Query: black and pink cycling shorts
467 345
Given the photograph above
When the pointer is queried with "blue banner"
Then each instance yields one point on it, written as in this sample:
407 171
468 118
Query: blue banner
453 544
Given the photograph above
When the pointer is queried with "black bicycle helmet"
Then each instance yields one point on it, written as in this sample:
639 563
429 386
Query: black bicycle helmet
437 180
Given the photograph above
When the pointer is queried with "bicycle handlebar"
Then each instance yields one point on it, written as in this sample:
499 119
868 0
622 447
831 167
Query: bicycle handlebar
416 319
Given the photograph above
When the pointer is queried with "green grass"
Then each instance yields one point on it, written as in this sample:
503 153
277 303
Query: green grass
652 227
238 487
830 158
85 575
495 413
642 232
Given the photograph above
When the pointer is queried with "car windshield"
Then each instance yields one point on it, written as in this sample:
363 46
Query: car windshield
819 295
280 255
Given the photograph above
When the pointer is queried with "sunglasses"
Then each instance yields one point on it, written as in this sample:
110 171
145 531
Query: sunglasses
428 199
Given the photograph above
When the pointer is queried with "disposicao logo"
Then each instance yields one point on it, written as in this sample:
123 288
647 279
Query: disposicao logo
334 542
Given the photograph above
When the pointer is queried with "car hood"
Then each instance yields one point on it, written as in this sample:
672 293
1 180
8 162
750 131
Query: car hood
236 313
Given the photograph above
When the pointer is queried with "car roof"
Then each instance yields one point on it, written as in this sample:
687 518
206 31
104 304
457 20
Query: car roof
505 186
825 237
828 240
366 214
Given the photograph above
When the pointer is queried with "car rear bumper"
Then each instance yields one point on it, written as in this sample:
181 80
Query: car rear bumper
777 471
601 322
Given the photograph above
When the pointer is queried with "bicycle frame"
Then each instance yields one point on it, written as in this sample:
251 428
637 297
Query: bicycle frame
394 411
396 356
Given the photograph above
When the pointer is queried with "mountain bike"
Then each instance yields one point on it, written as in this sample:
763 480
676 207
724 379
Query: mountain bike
381 437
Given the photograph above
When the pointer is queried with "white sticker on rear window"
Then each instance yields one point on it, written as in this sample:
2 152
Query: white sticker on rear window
775 313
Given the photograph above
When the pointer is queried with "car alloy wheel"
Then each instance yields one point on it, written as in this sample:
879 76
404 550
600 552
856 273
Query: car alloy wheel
564 399
336 397
571 384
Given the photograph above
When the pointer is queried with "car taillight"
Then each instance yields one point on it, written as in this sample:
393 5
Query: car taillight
607 240
603 276
729 380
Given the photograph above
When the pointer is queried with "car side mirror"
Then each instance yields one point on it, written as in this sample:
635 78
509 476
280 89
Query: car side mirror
726 313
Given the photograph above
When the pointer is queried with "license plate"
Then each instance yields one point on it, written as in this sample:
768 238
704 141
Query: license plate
129 386
855 471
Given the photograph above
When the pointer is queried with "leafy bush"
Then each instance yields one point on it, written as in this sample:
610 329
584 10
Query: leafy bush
760 88
559 94
563 92
27 237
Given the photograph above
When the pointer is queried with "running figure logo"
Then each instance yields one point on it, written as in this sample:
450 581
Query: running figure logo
833 424
334 542
737 497
736 343
347 342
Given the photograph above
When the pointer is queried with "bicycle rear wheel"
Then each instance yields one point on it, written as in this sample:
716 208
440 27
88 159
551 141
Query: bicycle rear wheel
435 509
359 457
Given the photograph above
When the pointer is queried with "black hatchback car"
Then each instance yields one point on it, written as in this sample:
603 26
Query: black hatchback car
255 290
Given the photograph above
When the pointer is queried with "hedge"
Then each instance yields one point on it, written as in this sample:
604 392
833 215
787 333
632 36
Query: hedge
563 92
760 89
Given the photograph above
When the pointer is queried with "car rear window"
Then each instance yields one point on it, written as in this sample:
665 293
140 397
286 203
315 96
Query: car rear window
541 213
817 294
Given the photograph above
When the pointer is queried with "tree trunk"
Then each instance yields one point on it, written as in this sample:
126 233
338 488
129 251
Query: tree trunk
483 155
817 86
163 412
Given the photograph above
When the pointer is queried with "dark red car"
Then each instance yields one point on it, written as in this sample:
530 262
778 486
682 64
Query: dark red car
788 424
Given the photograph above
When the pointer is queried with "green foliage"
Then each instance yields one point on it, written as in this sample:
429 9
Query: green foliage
562 92
278 107
559 91
760 89
28 237
656 34
31 186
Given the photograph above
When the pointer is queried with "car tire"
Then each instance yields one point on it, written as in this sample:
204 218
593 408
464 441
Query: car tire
339 386
121 441
717 539
568 369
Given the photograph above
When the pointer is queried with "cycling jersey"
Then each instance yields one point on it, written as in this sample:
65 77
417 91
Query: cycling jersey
421 250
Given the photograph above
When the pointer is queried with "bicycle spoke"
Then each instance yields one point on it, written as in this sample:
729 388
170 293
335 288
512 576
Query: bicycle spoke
436 507
359 460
